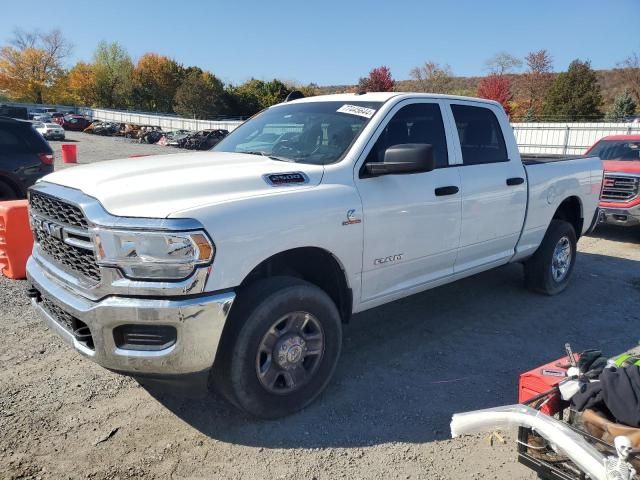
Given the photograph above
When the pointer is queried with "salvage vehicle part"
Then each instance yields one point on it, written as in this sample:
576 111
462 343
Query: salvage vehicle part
559 435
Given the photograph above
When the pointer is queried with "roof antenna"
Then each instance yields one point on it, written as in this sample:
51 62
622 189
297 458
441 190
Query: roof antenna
361 92
295 95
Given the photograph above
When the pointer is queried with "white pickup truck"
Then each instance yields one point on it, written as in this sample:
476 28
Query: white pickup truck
245 261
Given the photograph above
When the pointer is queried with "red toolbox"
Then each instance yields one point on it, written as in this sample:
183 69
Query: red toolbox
542 379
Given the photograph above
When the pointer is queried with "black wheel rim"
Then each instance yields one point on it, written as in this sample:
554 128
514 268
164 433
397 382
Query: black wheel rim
290 352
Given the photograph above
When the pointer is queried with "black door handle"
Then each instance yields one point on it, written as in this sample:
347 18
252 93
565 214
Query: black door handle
450 190
515 181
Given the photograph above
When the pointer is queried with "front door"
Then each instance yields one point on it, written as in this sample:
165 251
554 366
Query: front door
411 221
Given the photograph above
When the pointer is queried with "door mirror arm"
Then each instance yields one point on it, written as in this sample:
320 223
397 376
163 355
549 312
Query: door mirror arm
403 159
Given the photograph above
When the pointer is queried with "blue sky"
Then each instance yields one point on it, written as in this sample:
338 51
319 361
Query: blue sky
336 42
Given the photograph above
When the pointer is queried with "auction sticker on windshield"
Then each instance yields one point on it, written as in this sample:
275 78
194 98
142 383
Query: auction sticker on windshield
356 110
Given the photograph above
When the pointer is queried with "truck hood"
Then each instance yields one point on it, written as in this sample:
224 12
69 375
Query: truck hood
156 186
621 166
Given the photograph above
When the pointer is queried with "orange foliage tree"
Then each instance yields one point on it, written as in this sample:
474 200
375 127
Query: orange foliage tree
156 79
31 64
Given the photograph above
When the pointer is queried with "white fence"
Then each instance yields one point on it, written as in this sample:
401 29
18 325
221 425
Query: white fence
566 138
167 122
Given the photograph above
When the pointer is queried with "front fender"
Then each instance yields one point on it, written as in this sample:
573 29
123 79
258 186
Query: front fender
248 231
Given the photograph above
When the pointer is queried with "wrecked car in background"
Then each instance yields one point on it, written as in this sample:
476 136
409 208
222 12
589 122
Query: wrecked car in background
205 139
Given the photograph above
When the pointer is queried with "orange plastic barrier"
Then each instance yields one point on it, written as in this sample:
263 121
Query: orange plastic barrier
69 153
16 240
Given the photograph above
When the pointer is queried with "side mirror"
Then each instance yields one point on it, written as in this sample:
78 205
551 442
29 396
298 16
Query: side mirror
404 158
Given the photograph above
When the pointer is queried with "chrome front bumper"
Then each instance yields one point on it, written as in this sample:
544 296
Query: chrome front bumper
199 322
626 217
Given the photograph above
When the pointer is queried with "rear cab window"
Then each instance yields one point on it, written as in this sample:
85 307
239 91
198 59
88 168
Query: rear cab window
481 139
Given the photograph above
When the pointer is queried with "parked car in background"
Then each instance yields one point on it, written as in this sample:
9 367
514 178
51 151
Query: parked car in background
620 198
41 114
25 156
50 131
245 264
20 113
58 117
42 117
75 123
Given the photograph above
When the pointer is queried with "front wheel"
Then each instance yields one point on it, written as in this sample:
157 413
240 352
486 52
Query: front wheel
281 349
549 269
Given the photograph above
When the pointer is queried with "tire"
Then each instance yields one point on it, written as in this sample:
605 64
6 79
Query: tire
6 192
261 341
541 274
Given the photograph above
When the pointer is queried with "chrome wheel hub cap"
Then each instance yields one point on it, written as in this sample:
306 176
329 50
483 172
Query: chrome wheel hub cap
561 260
290 352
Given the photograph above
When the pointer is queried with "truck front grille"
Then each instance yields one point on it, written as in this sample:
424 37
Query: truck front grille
57 210
619 188
77 259
61 231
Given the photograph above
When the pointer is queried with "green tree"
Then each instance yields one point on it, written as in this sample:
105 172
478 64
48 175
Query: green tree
255 95
201 95
623 107
113 72
574 95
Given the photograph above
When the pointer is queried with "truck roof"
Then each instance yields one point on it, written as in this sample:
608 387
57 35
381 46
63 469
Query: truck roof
384 96
633 138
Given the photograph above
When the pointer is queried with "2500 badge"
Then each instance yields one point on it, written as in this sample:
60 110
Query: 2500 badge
391 258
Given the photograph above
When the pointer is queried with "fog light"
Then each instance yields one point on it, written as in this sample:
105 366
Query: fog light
144 337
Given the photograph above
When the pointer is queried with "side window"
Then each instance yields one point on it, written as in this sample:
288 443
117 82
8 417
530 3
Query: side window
415 123
480 135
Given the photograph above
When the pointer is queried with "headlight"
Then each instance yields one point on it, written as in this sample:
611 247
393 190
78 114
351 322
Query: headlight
153 255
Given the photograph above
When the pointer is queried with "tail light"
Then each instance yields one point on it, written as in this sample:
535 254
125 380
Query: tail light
46 158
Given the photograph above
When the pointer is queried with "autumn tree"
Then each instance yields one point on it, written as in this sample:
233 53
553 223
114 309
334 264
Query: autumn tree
113 72
81 83
536 81
201 95
630 70
623 107
574 95
155 80
432 77
32 63
502 63
379 80
498 88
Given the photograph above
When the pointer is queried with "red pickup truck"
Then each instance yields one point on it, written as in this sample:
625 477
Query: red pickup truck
620 199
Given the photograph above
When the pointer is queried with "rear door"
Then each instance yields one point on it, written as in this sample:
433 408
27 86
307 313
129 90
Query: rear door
411 221
493 186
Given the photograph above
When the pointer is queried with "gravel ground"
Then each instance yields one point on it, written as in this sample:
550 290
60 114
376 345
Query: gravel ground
95 148
405 368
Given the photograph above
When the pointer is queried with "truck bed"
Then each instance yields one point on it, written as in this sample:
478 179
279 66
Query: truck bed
540 158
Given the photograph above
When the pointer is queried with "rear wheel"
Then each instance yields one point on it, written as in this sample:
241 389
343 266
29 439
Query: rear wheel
549 269
6 192
281 349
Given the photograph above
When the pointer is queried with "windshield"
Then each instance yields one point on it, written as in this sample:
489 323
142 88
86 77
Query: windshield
308 132
617 150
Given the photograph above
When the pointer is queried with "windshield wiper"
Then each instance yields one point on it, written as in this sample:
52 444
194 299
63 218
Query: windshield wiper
272 157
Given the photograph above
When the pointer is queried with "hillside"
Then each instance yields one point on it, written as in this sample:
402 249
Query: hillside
610 81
